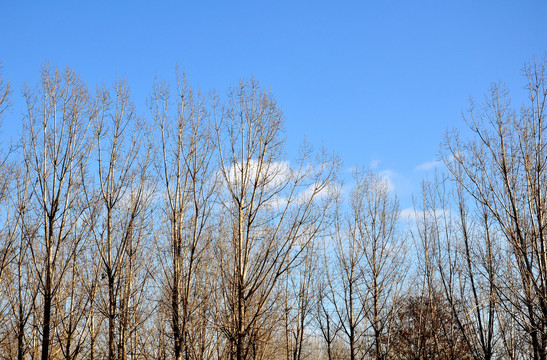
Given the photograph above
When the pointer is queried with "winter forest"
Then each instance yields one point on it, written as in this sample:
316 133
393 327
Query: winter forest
189 232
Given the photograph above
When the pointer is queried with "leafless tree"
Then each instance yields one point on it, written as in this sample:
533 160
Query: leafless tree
464 262
5 181
56 148
369 271
18 285
298 292
347 288
122 199
503 167
217 253
459 259
73 305
375 210
188 186
325 315
270 211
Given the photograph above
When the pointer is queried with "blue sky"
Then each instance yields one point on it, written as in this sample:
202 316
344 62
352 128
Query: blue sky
377 82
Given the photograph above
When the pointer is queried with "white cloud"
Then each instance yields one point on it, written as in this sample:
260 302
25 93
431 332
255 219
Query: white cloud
276 177
411 214
428 165
408 214
272 175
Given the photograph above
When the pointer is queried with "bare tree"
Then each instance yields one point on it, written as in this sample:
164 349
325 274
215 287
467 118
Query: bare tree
18 285
375 210
298 294
504 169
186 173
347 289
464 259
72 306
370 268
12 242
270 211
122 199
325 314
5 181
56 148
435 323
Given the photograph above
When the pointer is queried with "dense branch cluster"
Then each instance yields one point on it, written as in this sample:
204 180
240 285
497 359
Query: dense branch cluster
186 233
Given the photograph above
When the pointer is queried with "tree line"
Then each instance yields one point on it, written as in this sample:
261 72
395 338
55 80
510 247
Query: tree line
187 233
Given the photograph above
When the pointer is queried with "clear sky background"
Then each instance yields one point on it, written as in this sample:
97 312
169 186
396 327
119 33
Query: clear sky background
379 82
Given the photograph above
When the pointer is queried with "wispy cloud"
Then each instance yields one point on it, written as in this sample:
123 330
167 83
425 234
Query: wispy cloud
411 214
271 175
407 214
428 165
